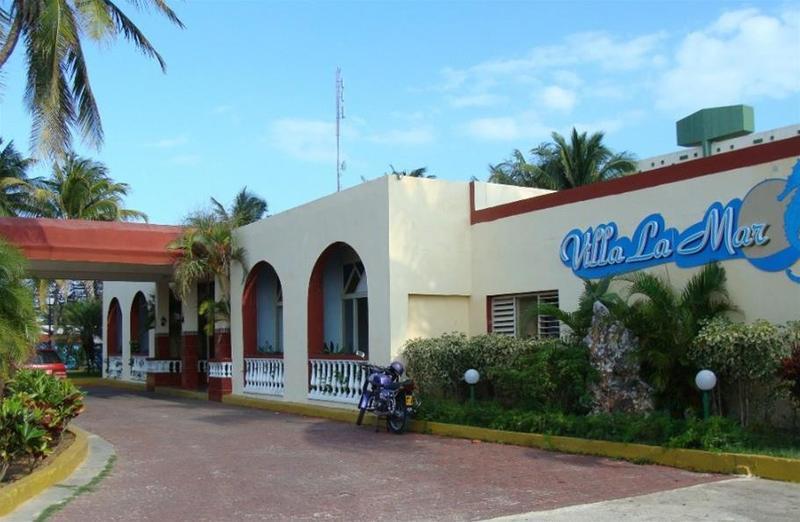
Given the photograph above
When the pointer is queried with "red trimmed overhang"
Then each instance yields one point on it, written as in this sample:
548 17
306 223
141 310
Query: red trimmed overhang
75 240
736 159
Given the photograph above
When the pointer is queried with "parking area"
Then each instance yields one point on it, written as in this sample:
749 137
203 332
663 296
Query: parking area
180 459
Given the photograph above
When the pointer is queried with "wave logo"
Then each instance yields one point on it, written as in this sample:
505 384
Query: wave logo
763 227
777 202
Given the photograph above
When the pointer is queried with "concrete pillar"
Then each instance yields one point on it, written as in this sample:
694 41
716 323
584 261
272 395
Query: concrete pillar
191 341
219 386
161 348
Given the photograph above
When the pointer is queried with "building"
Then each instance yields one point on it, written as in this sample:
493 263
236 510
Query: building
396 258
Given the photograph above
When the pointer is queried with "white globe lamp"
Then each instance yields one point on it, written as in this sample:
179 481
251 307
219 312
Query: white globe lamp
705 381
472 377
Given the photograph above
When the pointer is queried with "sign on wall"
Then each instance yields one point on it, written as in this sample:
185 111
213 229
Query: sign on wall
763 227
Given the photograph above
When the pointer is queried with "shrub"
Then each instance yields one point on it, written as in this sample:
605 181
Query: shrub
789 370
545 375
58 400
659 428
21 431
741 353
438 364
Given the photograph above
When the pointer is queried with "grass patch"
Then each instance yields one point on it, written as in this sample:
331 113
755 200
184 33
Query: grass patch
78 374
80 490
716 434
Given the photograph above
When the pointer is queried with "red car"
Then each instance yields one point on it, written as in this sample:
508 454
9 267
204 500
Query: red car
49 362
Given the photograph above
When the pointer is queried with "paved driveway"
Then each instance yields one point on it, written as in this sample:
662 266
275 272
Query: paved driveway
193 460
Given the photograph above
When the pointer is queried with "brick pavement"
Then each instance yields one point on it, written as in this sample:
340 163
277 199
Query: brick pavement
181 460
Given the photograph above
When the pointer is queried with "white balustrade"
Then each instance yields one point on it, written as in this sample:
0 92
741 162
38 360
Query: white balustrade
263 376
220 370
114 369
202 366
139 368
336 380
163 366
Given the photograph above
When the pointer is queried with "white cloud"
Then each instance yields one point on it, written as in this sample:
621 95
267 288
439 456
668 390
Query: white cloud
186 160
476 100
304 139
743 56
171 143
507 128
557 98
416 136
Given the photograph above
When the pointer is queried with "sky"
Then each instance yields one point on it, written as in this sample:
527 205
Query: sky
248 98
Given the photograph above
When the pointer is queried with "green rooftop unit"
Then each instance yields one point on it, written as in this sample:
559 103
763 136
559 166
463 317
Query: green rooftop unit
715 124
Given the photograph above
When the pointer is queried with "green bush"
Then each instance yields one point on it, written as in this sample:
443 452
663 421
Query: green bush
658 428
58 399
541 374
21 431
438 364
545 375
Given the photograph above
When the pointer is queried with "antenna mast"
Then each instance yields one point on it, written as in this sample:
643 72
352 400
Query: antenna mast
339 118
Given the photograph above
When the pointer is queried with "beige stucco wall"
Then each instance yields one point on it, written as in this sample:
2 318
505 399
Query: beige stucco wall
493 194
125 292
434 315
291 242
521 253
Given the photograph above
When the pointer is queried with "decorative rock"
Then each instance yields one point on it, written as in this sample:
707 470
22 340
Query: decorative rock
612 346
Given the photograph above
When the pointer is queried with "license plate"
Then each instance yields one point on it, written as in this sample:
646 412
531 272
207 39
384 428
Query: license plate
409 400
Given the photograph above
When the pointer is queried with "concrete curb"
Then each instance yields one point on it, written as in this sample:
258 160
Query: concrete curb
60 494
775 468
55 470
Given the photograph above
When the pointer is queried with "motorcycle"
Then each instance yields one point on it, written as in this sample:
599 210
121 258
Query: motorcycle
385 395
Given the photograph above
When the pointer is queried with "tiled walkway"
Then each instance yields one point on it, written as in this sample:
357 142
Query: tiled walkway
193 460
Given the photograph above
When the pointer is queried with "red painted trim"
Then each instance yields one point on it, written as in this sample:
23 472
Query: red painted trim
736 159
488 314
43 239
471 202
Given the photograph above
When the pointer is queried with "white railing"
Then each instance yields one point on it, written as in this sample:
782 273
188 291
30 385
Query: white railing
335 380
202 366
139 368
163 366
220 370
263 376
114 369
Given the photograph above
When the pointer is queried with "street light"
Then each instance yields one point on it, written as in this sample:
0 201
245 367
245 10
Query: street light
705 381
50 301
472 376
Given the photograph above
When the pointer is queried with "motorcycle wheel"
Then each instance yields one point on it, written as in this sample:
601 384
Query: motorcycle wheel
360 418
397 421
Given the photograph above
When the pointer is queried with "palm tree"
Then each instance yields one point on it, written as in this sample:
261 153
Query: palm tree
59 95
206 252
80 188
83 319
246 208
421 172
561 165
580 320
18 326
14 184
666 321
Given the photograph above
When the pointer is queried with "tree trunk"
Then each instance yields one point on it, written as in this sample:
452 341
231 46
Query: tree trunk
13 35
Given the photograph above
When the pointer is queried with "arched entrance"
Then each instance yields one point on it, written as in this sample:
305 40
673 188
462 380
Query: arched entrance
113 363
140 327
338 324
262 330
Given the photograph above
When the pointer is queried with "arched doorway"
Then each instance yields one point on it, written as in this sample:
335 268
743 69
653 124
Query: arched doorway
140 327
114 329
338 311
262 331
262 312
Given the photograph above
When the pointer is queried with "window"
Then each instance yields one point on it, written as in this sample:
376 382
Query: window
354 309
517 315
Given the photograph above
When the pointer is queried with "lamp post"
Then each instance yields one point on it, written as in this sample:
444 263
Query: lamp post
705 381
472 376
50 301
